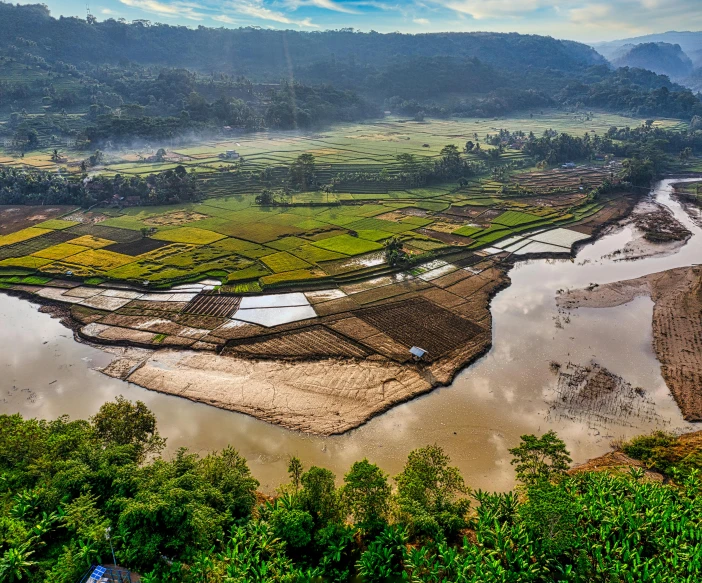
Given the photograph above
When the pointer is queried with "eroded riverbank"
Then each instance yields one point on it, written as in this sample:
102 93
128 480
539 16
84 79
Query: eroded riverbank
677 325
504 394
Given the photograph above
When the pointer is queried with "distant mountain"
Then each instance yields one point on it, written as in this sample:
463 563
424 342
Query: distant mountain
661 58
440 74
260 53
690 43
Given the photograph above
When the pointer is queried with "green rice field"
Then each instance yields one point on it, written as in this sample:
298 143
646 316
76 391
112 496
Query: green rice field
309 234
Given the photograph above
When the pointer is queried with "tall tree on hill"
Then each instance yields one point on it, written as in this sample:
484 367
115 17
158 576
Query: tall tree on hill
303 173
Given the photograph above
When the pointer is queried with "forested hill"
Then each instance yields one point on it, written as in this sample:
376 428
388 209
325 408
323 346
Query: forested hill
257 52
663 58
155 81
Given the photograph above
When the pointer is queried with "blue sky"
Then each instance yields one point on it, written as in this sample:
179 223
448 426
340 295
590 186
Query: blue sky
584 20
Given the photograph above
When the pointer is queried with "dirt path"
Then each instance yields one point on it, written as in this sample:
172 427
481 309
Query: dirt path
677 326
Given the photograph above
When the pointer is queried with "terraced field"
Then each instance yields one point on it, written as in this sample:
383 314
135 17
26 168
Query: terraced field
255 247
360 147
311 236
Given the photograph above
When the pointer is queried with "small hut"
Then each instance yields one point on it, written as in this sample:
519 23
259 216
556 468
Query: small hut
417 353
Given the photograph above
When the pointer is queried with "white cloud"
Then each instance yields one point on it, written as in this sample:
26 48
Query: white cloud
256 9
107 11
590 14
480 9
175 10
224 18
421 21
325 4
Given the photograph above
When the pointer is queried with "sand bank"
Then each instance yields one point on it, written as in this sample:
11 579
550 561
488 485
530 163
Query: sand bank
677 325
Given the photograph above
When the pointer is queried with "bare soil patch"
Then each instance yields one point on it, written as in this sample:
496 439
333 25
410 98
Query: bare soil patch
446 237
419 322
467 211
613 212
16 218
594 395
660 226
102 232
174 219
326 397
87 217
308 343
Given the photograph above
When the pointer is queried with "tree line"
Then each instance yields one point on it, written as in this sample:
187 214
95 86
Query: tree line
47 188
199 519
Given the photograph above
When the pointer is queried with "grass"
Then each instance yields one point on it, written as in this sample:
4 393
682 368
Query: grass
91 242
287 243
379 225
253 272
29 262
283 261
191 235
467 231
348 245
125 222
100 259
299 275
60 251
23 235
56 224
373 235
312 254
514 218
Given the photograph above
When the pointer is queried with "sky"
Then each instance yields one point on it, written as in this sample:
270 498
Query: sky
583 20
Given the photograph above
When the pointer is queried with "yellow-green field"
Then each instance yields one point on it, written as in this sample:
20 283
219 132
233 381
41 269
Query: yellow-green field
235 240
313 235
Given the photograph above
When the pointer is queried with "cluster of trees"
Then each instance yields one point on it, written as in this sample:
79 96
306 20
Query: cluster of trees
647 150
191 519
298 106
410 170
22 187
39 187
288 106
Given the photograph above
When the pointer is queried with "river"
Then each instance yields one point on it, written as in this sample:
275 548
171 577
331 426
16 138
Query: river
46 373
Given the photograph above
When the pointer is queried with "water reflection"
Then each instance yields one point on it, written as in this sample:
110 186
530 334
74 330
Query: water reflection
477 419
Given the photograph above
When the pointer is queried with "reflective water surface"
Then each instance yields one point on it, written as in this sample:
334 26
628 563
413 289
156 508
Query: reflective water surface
45 373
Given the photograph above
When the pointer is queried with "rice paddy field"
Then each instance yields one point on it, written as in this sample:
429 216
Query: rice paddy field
248 247
314 237
358 147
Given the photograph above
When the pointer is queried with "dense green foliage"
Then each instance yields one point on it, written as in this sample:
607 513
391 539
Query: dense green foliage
23 187
665 453
198 519
157 82
75 40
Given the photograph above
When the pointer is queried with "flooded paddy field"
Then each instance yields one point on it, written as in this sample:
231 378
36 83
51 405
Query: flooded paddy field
510 391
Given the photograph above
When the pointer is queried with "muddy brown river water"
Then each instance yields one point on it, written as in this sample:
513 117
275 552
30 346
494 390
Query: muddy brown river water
45 373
